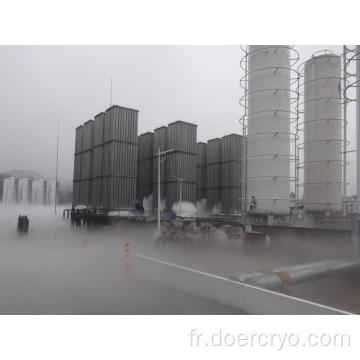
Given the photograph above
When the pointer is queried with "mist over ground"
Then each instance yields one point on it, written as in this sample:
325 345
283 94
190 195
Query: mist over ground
57 269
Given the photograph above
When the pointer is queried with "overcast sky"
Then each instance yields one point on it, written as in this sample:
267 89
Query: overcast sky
40 85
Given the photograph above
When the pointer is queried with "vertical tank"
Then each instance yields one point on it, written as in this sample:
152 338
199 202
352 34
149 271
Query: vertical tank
322 133
181 163
38 192
213 175
24 191
10 190
97 161
51 189
201 171
268 170
145 166
86 161
2 178
105 161
77 166
120 151
231 173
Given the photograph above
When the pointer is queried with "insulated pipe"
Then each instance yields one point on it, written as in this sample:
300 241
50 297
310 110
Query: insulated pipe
301 274
246 276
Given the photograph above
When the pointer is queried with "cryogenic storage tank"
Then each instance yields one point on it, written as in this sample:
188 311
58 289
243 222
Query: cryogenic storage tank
10 190
322 133
145 166
51 192
201 171
213 175
97 161
181 163
77 166
231 167
38 192
24 191
119 165
269 127
86 162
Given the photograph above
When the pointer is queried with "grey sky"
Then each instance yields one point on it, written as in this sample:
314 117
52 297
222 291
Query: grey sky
43 84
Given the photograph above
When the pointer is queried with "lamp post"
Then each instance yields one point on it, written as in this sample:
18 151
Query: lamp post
158 154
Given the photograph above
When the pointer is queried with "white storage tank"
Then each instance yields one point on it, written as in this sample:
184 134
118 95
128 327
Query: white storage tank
10 189
322 134
51 192
24 191
269 128
38 192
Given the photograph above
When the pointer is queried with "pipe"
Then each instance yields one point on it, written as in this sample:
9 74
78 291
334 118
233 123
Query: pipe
246 276
283 278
